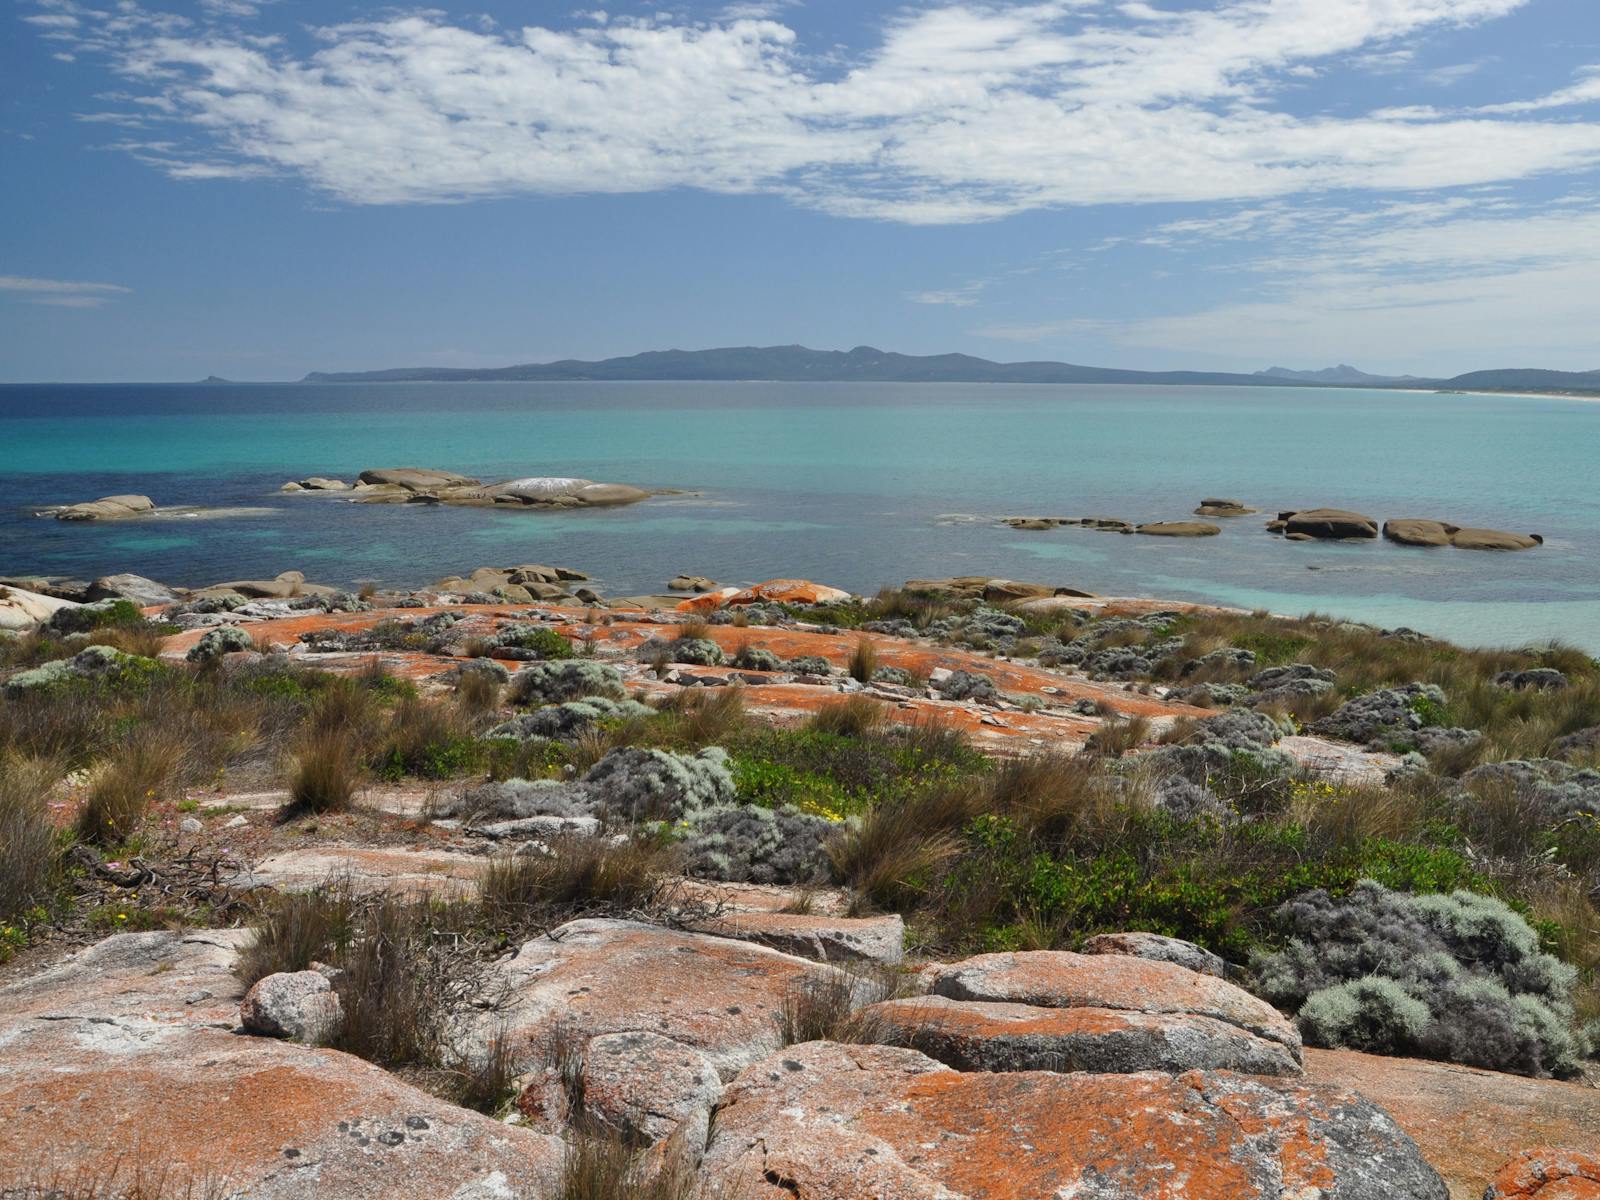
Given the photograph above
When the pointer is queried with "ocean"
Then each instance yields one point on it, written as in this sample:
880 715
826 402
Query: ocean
856 485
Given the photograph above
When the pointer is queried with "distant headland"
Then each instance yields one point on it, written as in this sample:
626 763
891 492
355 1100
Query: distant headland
865 364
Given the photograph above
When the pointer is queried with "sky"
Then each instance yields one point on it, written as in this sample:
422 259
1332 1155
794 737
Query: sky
259 188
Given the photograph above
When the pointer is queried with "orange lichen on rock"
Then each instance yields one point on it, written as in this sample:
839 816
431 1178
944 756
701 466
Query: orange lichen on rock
1547 1175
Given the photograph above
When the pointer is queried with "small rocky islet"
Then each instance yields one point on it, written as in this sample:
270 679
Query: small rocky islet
422 485
755 1006
1301 525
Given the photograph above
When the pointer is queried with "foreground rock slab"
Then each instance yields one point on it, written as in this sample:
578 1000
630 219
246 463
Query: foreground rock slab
1061 979
123 1058
597 976
979 1036
1547 1175
824 1121
1467 1121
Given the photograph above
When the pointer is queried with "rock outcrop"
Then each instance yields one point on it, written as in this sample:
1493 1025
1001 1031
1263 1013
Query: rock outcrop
21 609
146 593
1546 1174
1410 531
1324 523
123 1055
407 485
107 508
1212 506
1188 529
834 1122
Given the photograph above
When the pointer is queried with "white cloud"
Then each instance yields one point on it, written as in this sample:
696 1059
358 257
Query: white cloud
962 112
1422 287
1585 91
964 296
61 293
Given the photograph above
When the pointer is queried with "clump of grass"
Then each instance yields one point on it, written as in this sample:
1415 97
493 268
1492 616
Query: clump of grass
828 1006
890 854
693 629
489 1083
477 692
394 1005
1119 735
326 772
706 716
27 838
299 928
125 784
863 660
897 604
602 1165
144 638
579 874
427 739
853 716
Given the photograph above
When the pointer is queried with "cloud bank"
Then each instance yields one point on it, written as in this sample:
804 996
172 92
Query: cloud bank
960 112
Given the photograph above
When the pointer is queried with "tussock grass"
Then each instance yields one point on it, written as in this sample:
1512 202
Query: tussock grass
863 660
326 772
600 1165
579 875
477 693
897 604
891 852
698 717
1118 736
125 784
827 1006
27 837
427 738
299 928
853 717
696 628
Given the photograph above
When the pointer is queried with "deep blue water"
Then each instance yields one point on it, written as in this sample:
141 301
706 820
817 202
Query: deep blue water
857 485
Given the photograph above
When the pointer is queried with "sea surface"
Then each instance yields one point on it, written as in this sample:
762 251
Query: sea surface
857 485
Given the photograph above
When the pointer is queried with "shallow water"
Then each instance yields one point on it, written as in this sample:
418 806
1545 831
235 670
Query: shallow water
857 485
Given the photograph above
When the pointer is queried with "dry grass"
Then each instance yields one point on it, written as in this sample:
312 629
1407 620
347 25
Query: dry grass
828 1006
706 716
579 875
1054 795
121 1180
123 786
599 1165
326 771
299 928
863 660
1119 735
144 639
852 716
697 628
896 604
27 837
477 692
890 853
393 995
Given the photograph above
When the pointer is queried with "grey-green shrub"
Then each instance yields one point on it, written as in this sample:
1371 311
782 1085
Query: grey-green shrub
750 844
573 679
1493 998
224 639
635 784
569 718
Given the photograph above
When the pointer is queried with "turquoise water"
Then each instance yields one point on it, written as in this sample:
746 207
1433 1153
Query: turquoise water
858 485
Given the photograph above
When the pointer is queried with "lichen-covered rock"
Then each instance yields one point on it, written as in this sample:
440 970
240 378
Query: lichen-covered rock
1000 1036
300 1005
752 844
636 784
1547 1174
224 639
1387 715
820 937
1061 979
644 1088
591 977
1158 948
835 1122
572 679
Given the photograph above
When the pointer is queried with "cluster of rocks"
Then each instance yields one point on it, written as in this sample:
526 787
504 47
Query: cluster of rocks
423 485
1115 525
107 508
1312 524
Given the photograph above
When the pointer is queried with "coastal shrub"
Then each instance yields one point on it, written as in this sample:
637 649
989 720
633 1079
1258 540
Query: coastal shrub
569 719
635 784
102 667
551 683
895 676
214 643
83 618
749 844
542 641
1492 997
761 781
699 652
427 739
27 837
968 685
1117 736
755 658
809 664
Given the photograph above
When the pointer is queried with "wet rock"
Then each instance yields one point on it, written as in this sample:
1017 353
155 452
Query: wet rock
832 1122
1061 979
999 1036
1188 529
592 977
300 1005
1327 523
645 1088
1159 948
107 508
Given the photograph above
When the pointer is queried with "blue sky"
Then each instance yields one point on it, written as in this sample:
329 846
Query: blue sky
256 189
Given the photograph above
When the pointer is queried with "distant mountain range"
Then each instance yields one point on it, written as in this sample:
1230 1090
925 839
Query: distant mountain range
865 364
